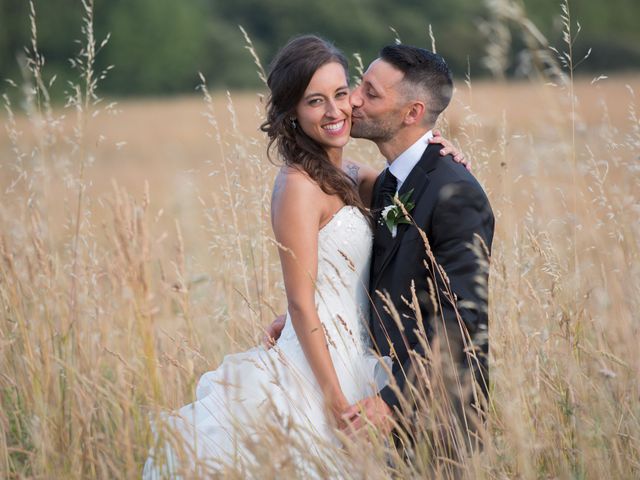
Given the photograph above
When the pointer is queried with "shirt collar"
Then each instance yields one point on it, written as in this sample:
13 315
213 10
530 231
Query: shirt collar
404 163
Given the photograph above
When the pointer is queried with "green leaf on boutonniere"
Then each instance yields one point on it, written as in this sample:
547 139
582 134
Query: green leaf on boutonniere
393 214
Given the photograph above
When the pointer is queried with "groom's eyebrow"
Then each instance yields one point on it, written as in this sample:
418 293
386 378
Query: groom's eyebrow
368 84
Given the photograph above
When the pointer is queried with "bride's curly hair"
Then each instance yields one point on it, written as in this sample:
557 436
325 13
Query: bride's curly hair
290 73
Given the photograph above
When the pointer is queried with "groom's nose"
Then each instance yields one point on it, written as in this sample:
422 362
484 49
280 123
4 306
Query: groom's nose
356 97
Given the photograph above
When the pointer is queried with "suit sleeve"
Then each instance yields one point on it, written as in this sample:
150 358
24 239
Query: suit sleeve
461 213
461 216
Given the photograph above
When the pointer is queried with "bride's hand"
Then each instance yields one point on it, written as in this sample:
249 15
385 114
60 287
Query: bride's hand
449 149
371 411
273 331
336 407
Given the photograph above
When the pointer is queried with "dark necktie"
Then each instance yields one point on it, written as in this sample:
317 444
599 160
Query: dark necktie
388 188
382 237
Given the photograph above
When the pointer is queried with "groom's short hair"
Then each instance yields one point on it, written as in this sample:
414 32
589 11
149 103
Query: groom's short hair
426 74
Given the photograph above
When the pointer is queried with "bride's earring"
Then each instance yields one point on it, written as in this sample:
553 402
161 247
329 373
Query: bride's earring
294 123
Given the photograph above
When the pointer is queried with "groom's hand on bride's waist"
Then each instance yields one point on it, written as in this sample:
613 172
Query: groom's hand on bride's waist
371 411
273 331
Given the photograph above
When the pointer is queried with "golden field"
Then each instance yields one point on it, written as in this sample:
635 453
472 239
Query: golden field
136 252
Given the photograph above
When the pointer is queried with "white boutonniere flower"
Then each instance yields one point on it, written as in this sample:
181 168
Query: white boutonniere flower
393 215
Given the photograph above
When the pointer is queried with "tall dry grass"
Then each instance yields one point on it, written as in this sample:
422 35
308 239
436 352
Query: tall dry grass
136 252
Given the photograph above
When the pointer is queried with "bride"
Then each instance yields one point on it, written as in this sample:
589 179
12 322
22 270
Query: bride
321 363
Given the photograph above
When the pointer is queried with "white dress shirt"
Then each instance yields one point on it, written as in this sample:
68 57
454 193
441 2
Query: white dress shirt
403 164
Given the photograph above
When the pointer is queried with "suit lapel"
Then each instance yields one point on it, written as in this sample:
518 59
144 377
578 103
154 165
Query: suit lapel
417 181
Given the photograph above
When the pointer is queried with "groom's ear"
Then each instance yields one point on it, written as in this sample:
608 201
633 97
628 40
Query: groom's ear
415 113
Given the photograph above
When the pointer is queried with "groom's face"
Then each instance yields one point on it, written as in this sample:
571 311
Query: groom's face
377 103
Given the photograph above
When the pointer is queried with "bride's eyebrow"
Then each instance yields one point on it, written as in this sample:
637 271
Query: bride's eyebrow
313 94
318 94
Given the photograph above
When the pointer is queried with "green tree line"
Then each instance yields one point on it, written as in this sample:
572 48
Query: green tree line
159 46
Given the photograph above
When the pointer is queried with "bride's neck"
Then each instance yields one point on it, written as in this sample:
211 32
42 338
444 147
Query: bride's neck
335 156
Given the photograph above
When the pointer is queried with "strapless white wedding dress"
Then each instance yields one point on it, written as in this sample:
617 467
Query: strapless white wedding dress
253 392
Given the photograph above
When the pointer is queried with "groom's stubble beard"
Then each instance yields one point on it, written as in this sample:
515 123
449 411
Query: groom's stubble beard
377 130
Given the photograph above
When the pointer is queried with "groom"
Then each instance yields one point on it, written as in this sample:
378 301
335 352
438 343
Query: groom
396 106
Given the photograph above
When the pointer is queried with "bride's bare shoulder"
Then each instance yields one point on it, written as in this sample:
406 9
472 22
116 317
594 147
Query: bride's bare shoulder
296 195
292 183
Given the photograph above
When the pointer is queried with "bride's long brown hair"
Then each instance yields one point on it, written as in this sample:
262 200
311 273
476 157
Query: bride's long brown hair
290 73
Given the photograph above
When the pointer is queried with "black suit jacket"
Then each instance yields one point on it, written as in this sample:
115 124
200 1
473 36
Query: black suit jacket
451 208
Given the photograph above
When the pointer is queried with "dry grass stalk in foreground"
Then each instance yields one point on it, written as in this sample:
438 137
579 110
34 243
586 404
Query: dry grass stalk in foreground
113 306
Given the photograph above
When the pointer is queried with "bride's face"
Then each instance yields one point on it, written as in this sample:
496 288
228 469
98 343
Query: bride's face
324 111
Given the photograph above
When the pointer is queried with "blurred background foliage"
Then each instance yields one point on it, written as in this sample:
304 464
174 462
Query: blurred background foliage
159 46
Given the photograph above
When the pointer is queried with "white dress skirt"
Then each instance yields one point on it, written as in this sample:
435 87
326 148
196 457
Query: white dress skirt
262 396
